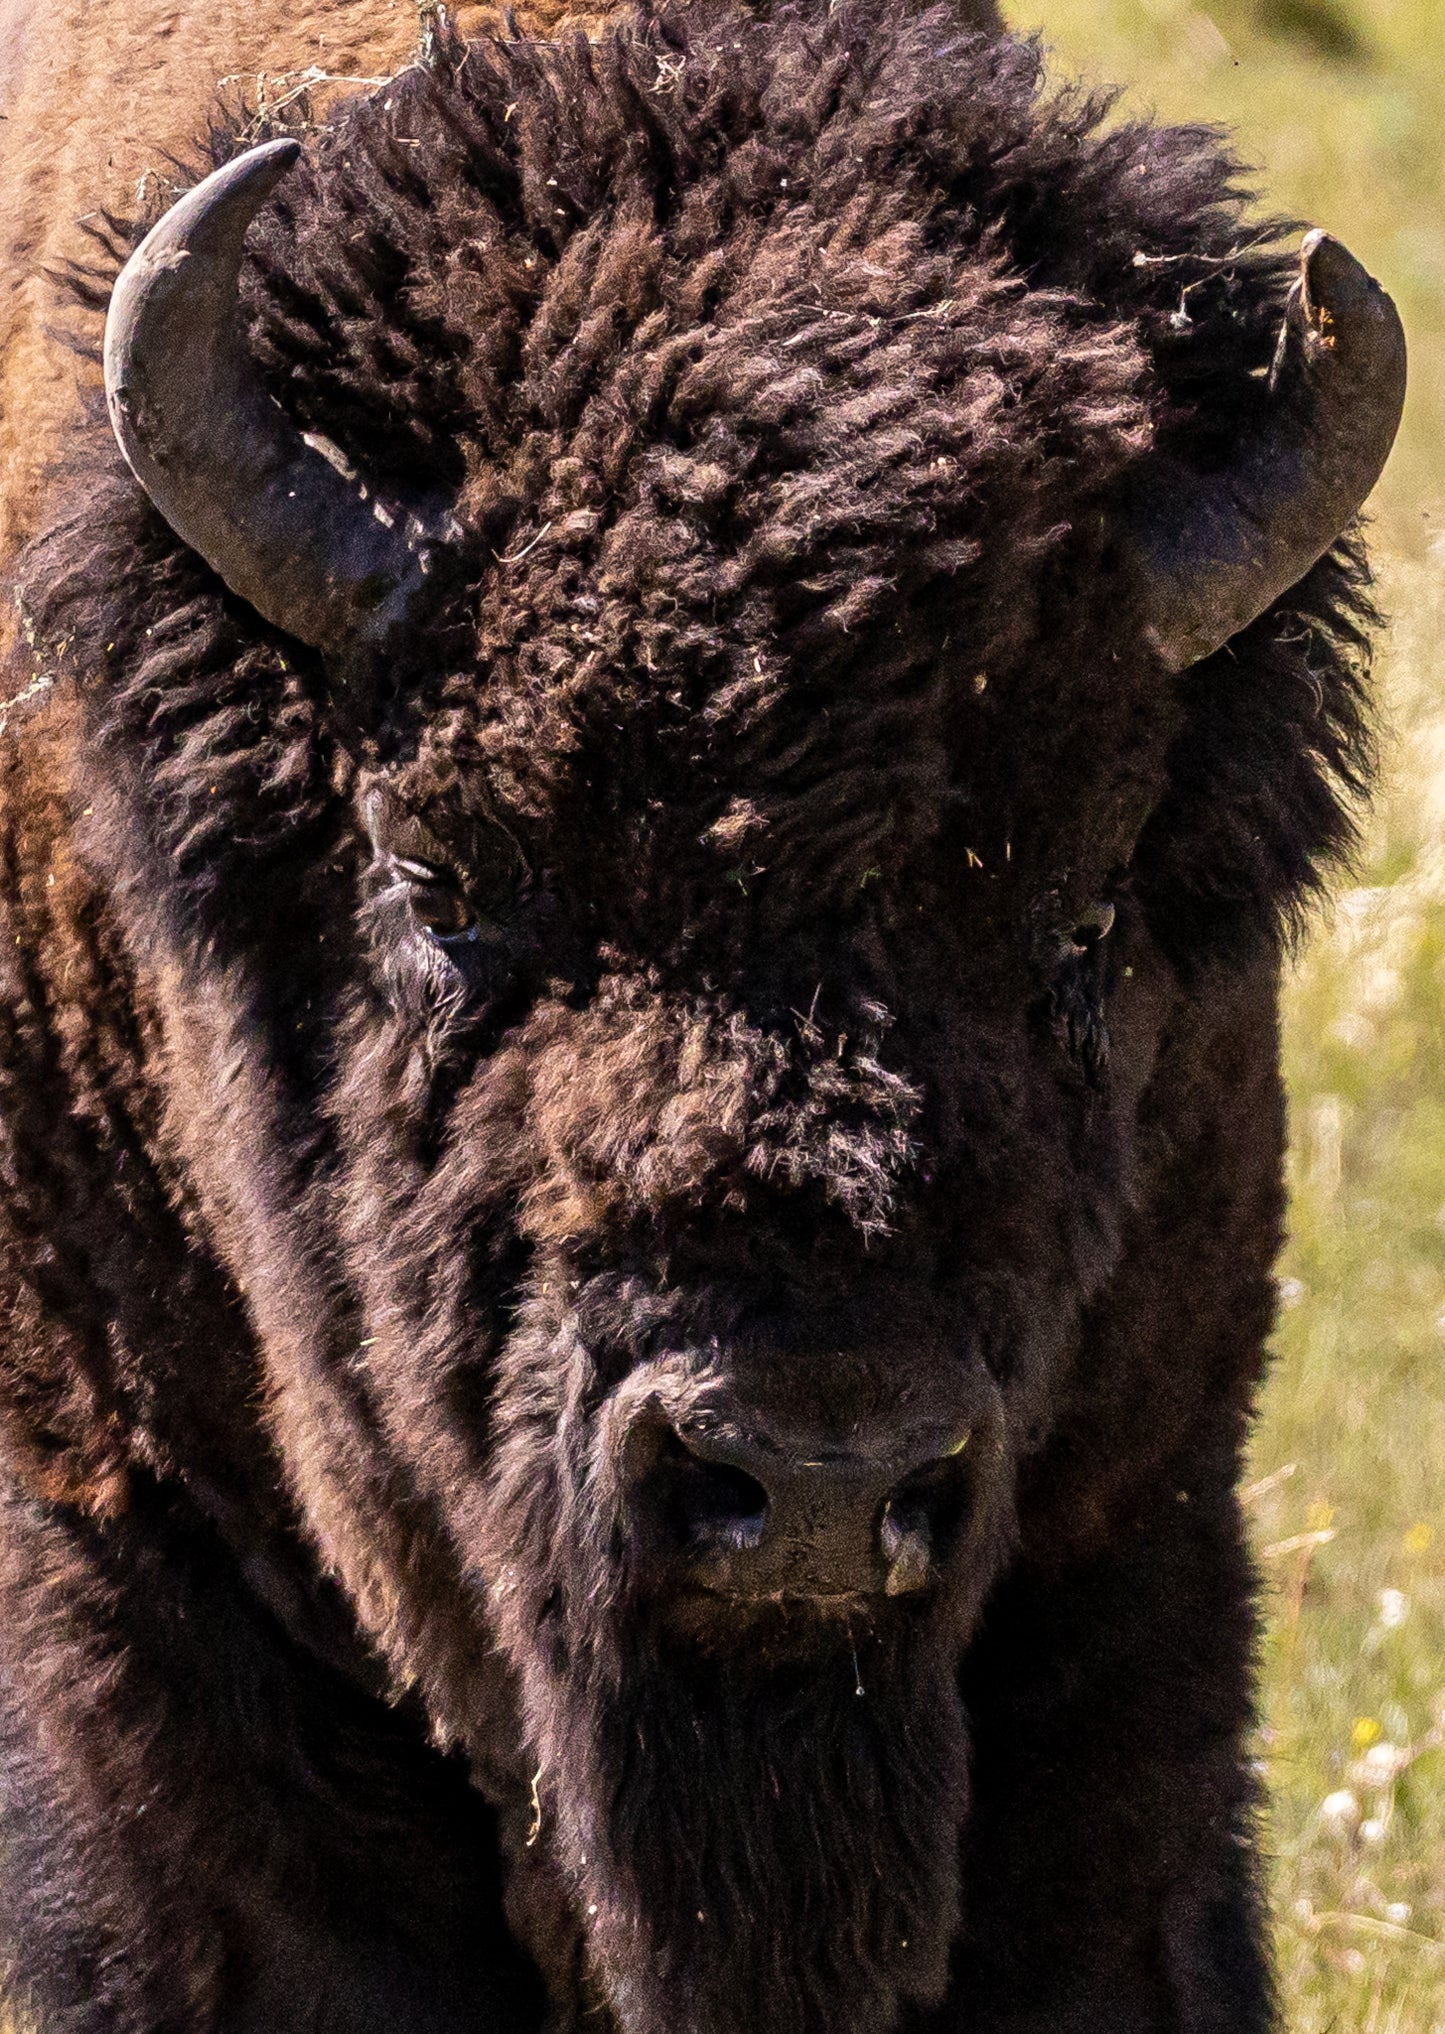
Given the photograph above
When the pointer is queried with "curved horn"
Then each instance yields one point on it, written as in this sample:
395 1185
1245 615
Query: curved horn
285 523
1209 553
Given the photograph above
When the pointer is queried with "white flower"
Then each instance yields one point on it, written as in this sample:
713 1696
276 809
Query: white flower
1399 1911
1373 1831
1382 1763
1340 1811
1394 1608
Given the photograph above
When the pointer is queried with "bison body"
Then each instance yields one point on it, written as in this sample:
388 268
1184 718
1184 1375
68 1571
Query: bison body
639 1189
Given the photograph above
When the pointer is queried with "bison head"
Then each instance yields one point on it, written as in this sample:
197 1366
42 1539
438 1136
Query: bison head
672 803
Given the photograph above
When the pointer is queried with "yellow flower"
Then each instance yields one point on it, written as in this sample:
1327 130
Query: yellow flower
1364 1732
1320 1516
1419 1538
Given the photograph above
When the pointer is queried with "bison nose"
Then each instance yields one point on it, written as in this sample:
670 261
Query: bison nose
709 1502
744 1516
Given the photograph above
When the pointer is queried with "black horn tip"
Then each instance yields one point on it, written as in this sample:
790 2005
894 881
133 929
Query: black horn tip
221 208
278 155
260 169
209 222
1344 310
283 151
1326 264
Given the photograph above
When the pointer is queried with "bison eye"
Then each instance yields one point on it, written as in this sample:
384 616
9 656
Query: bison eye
437 901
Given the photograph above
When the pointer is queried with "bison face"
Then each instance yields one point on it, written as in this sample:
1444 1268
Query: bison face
718 1246
715 1350
679 907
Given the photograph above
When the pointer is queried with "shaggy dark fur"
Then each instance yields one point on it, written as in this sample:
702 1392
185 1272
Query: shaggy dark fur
780 726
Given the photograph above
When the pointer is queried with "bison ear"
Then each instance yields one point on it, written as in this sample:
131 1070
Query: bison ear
280 516
1209 553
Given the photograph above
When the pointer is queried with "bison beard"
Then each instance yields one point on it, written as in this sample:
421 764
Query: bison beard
766 1848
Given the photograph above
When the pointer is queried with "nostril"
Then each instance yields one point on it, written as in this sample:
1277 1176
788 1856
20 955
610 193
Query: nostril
922 1520
705 1503
908 1550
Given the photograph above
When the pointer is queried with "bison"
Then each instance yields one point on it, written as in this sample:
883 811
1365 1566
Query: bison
649 821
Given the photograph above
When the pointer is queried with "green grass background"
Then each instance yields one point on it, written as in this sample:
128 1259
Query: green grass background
1341 106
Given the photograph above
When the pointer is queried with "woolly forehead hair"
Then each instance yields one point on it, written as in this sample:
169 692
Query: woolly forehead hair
732 335
779 366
